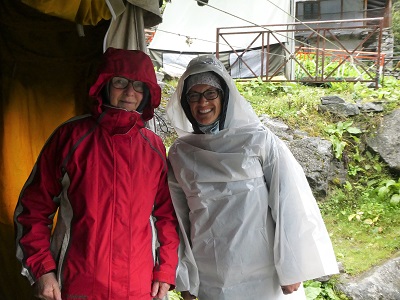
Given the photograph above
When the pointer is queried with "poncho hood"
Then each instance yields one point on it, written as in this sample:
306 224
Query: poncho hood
132 64
237 111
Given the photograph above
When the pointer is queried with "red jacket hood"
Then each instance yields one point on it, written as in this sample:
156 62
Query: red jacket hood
132 64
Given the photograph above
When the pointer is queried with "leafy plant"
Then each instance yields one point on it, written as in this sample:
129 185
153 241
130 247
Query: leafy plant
316 290
390 189
174 295
336 135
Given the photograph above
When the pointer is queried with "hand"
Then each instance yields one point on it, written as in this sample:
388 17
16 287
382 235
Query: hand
187 296
159 289
47 287
288 289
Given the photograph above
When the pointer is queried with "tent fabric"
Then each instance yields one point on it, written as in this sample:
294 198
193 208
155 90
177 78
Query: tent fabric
45 74
46 71
91 12
81 12
127 29
128 17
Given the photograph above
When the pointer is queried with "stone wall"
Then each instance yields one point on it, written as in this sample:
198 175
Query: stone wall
392 68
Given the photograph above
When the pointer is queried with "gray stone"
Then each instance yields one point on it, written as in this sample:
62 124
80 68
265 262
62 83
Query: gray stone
386 141
370 106
343 109
331 100
380 283
283 131
315 156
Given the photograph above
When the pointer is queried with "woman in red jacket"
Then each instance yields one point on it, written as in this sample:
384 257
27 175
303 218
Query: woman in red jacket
106 175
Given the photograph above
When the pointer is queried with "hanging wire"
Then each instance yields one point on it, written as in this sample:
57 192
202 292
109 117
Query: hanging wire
267 29
264 27
257 25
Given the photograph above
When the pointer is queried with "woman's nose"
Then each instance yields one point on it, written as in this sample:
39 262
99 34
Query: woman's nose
129 90
203 100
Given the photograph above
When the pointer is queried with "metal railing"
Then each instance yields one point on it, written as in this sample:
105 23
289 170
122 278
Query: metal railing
313 51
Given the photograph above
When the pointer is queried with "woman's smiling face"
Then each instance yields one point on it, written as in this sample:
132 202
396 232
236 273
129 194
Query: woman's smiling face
125 93
205 111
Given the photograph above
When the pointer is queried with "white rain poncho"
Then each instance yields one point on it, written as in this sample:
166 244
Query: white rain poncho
248 220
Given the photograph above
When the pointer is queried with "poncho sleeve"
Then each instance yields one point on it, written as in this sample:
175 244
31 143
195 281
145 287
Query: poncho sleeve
187 273
302 247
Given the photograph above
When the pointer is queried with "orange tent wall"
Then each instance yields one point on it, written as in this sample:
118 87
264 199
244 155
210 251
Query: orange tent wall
45 72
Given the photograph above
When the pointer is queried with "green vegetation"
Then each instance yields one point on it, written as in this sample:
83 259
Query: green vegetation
361 214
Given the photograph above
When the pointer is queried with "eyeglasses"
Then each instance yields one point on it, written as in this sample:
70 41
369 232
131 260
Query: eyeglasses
194 97
122 83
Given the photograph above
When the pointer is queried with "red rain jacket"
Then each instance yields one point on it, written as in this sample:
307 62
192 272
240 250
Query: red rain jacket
107 176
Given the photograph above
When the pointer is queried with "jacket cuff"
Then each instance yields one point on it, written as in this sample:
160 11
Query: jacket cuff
164 277
46 267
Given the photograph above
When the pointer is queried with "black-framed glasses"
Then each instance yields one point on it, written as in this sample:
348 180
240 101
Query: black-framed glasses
122 83
210 94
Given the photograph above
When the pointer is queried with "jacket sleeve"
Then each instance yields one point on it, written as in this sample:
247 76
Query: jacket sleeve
187 275
302 247
166 225
34 213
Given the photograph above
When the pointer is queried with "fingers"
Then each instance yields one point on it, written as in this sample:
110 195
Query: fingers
288 289
47 287
57 293
187 296
154 288
159 289
50 294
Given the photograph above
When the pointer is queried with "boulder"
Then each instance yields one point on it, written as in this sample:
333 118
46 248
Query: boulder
386 140
381 282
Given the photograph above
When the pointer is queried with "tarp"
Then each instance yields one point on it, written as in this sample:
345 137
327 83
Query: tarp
46 70
188 30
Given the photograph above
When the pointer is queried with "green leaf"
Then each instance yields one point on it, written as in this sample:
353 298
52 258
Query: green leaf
353 130
390 182
330 293
351 217
312 292
383 191
378 167
368 222
348 186
339 149
395 200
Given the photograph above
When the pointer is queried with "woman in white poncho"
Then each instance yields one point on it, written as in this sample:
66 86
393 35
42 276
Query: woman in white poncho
250 226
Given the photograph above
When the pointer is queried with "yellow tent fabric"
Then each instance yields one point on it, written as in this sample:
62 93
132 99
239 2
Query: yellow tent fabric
46 70
84 12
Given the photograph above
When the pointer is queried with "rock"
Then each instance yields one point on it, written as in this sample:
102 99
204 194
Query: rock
338 106
370 106
382 282
282 130
326 100
343 109
315 156
386 141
